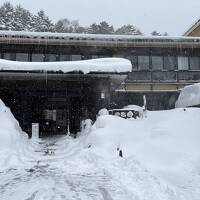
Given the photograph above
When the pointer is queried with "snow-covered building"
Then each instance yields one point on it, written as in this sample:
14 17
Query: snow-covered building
59 95
161 66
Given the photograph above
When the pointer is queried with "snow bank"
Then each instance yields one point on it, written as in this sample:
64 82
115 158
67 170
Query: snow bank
189 96
114 65
167 144
103 111
12 139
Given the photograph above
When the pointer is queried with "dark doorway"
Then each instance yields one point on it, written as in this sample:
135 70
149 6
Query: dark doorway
58 104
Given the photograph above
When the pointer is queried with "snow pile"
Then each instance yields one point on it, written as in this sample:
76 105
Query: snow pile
189 96
167 144
103 111
114 65
12 139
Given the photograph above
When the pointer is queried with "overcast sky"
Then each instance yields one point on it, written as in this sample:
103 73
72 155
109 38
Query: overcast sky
172 16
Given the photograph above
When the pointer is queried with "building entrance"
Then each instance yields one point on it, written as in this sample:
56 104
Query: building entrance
54 117
58 105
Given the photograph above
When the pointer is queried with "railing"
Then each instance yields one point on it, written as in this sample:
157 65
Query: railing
164 76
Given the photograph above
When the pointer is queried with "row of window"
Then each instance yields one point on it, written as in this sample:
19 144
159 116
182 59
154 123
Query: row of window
138 62
43 57
165 62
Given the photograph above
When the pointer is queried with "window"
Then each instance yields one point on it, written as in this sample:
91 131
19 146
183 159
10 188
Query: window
134 61
76 57
95 56
157 62
104 56
194 63
65 57
183 63
49 115
170 62
50 57
21 56
37 57
143 62
10 56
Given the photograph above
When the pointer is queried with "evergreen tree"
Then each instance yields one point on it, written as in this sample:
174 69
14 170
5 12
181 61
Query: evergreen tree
165 34
128 30
105 28
22 19
42 23
6 17
66 26
155 33
76 28
93 29
101 28
62 26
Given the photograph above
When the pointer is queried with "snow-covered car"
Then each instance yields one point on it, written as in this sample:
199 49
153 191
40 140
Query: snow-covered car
189 96
130 111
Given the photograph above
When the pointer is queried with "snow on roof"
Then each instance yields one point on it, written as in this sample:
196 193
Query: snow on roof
113 65
96 37
189 96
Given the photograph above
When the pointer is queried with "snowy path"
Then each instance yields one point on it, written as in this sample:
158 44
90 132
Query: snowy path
46 179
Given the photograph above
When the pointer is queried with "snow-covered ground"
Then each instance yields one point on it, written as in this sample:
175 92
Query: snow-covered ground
161 159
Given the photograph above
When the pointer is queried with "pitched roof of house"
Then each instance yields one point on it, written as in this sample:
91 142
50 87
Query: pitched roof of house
192 28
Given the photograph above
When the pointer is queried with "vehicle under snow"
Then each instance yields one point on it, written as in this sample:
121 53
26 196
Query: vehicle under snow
189 96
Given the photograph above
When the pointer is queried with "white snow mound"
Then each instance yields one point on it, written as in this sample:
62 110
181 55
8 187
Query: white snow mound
189 96
166 143
11 137
103 111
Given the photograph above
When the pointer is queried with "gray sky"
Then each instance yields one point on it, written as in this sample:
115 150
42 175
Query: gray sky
172 16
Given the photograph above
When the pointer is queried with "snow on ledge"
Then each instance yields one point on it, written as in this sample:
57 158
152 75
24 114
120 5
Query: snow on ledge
114 65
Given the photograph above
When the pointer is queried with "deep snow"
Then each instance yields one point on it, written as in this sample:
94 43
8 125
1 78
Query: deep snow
161 159
13 140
